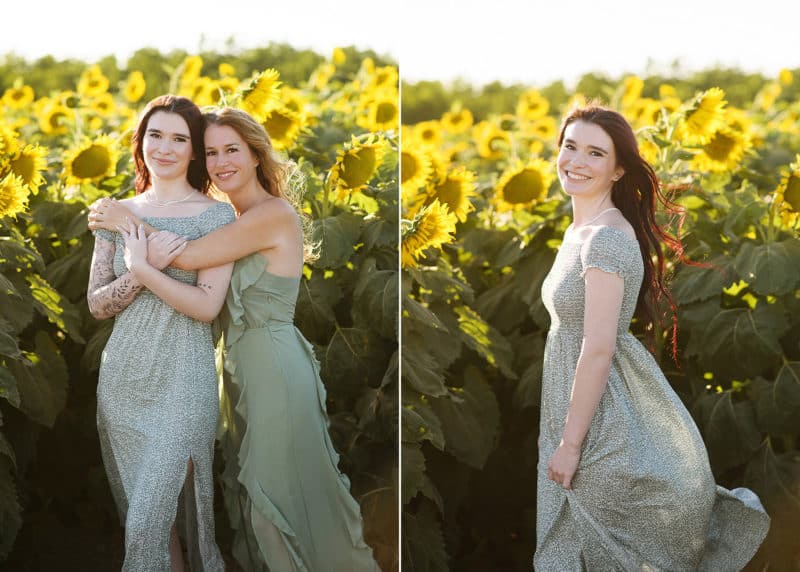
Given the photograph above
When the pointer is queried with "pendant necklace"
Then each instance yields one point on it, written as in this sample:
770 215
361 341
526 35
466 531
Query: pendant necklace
158 203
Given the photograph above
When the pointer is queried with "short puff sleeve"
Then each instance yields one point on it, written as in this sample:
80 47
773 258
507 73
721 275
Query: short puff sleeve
610 250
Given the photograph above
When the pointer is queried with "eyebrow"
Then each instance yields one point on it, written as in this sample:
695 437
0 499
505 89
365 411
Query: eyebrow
595 147
153 130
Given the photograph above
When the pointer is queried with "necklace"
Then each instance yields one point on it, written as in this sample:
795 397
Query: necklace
157 203
598 215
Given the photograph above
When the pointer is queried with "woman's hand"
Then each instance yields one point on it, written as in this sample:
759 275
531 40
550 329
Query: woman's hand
163 247
563 464
108 214
135 246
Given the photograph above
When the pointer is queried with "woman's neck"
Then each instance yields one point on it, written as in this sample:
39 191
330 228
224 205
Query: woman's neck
586 209
170 189
247 197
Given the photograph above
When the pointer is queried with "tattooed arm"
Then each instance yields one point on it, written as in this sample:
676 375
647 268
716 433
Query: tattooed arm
201 302
106 294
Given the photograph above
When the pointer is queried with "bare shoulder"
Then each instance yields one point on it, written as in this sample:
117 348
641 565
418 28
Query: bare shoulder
616 220
275 210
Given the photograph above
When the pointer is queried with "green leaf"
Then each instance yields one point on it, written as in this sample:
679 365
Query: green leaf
770 268
470 419
444 280
14 254
17 312
7 450
8 345
778 402
8 387
10 511
94 347
69 274
42 384
730 430
337 235
694 284
7 288
379 233
739 332
55 307
413 471
375 300
315 306
501 305
419 368
344 361
423 543
485 340
413 310
420 423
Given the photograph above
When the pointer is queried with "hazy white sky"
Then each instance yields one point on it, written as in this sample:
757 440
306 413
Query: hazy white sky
526 41
536 42
88 29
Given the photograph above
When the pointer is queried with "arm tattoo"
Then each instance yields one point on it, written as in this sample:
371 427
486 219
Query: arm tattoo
106 294
207 287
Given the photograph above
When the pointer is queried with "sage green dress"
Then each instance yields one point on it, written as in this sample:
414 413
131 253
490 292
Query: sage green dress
643 497
288 501
157 407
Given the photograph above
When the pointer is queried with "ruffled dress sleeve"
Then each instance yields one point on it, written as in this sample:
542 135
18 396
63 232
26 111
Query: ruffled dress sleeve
610 250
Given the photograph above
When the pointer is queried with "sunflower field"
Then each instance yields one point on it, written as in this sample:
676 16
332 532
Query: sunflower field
482 218
63 148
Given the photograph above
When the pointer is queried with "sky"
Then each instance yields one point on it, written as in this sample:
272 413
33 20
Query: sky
91 29
513 41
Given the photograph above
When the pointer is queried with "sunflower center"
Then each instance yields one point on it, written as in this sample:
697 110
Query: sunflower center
56 119
91 163
409 167
278 124
523 187
720 146
358 167
792 193
386 111
24 167
449 193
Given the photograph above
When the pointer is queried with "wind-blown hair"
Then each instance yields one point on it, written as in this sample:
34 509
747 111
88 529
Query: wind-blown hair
637 194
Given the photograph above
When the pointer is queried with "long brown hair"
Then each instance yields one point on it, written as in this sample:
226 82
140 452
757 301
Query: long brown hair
637 194
197 176
278 177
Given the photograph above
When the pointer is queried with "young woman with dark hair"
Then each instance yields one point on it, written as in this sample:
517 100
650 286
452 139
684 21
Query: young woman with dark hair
289 504
624 481
157 400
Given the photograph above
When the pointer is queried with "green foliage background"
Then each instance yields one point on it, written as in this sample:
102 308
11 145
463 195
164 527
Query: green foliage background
473 333
52 480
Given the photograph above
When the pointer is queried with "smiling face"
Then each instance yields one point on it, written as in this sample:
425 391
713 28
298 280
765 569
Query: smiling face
229 160
587 162
167 146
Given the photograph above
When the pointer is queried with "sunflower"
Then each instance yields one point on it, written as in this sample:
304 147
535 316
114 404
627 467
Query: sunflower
523 184
666 90
91 161
454 191
54 119
262 94
532 105
28 165
787 195
92 82
432 227
103 104
204 91
18 97
9 142
723 152
284 127
356 165
226 70
190 69
492 142
543 128
338 57
415 168
703 116
785 77
13 195
383 77
428 133
135 87
322 75
381 112
643 112
766 97
457 121
632 87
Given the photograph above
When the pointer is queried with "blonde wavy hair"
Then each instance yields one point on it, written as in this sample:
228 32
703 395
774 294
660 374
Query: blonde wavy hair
278 176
